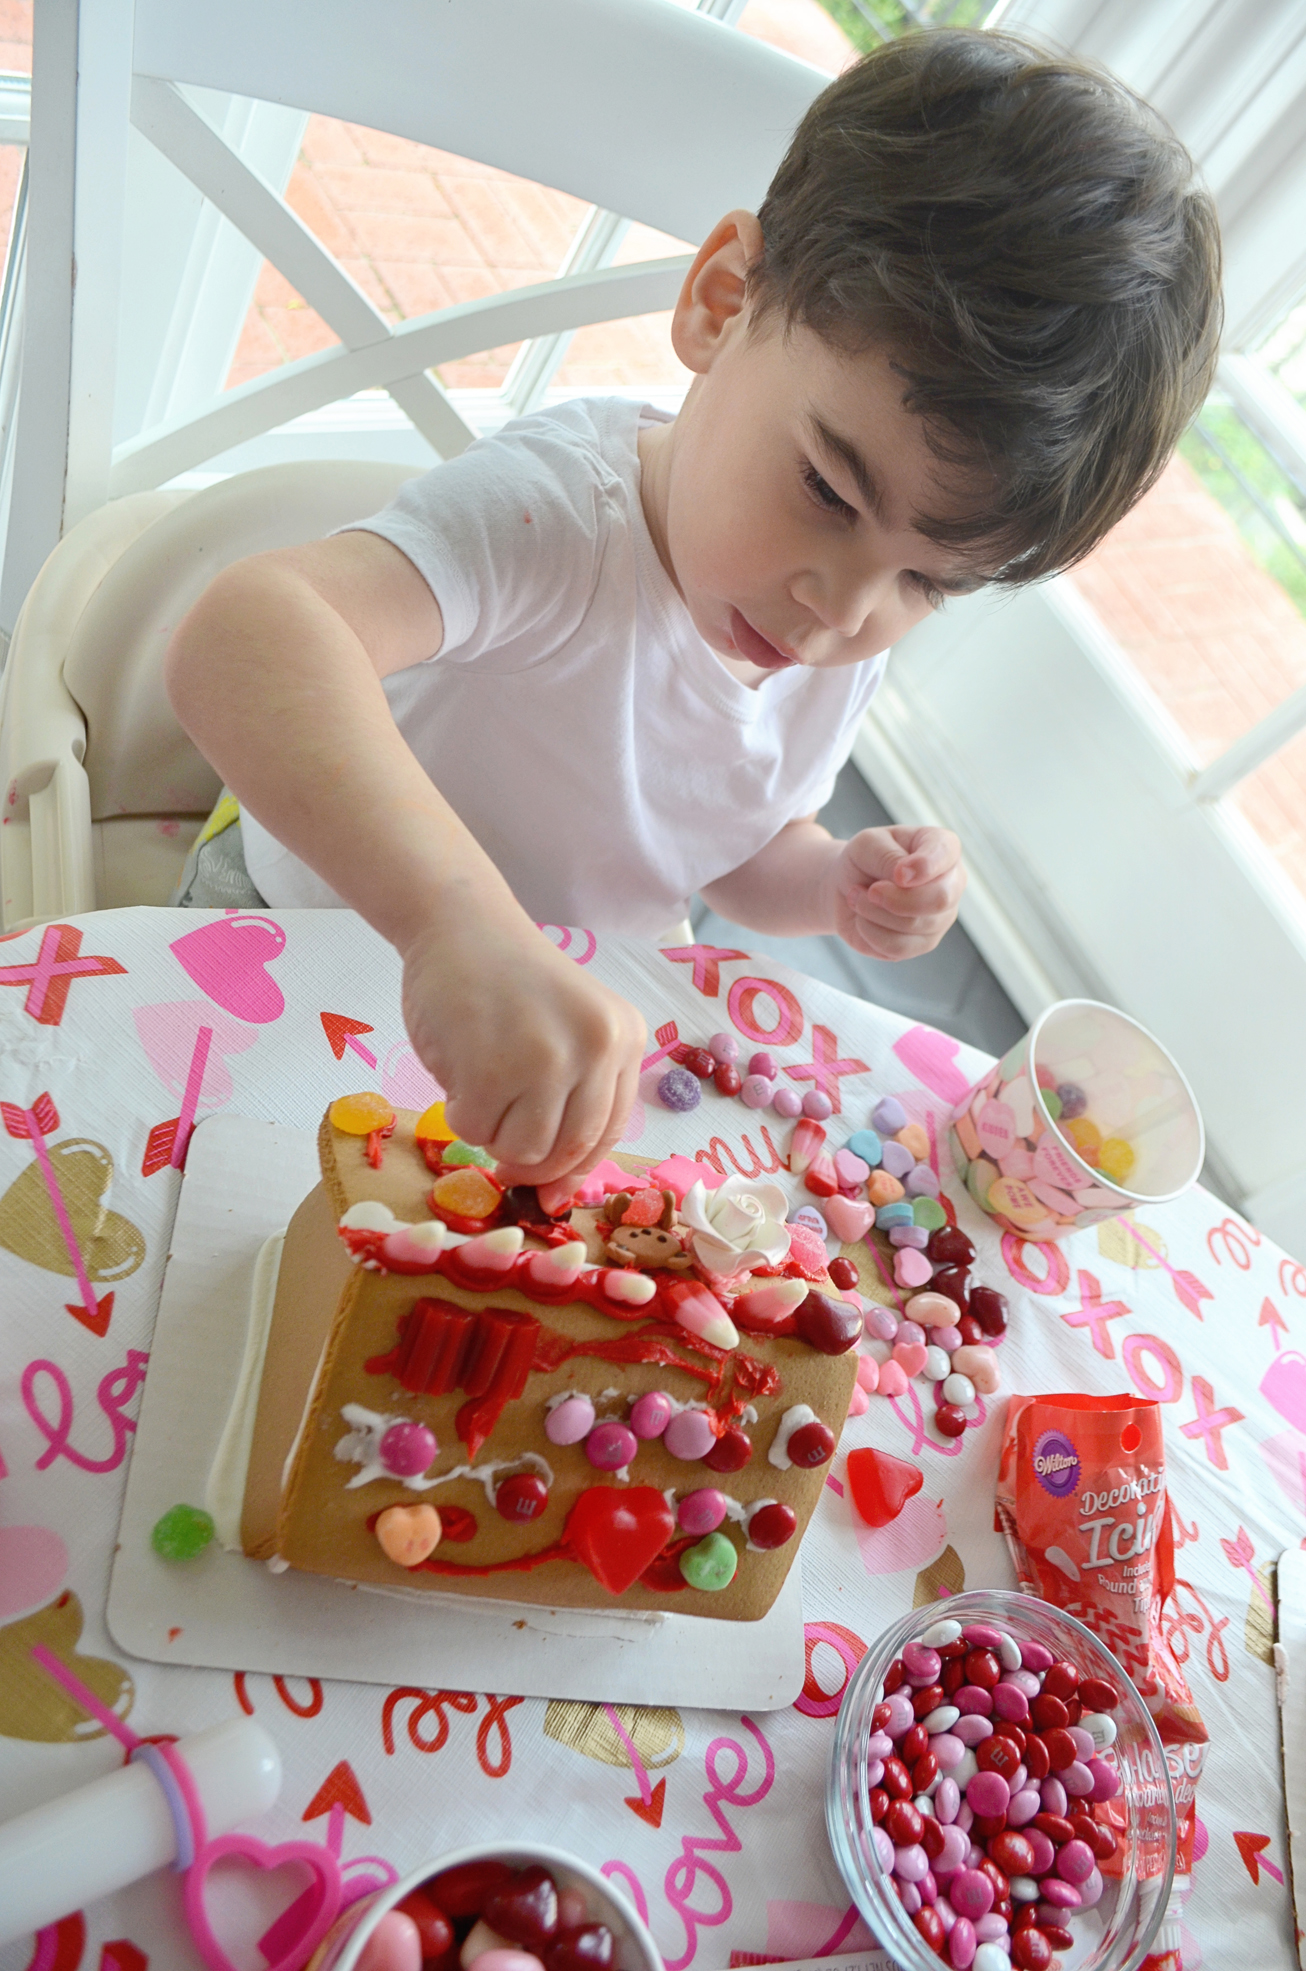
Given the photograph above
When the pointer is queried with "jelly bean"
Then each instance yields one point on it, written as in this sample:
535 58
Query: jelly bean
786 1102
723 1047
679 1090
689 1435
610 1446
962 1944
897 1160
817 1105
888 1116
763 1064
989 1308
931 1310
711 1564
572 1420
843 1272
754 1091
979 1365
952 1281
727 1079
702 1512
949 1246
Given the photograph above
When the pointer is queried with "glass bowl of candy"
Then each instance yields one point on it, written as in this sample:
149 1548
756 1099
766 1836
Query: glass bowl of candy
998 1797
510 1907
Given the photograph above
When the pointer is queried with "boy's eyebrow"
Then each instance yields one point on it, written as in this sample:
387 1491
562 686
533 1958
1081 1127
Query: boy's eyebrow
869 487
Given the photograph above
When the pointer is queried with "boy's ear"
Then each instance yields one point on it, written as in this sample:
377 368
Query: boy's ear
712 299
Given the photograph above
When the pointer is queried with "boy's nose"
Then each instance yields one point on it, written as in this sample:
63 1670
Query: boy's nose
843 601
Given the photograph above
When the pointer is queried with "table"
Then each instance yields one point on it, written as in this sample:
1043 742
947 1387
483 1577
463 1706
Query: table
713 1822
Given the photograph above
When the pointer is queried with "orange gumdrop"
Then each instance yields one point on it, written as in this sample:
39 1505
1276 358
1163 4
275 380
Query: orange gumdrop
467 1192
408 1534
359 1115
431 1126
645 1208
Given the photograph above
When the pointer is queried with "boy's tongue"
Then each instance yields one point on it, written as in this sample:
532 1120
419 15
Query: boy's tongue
750 643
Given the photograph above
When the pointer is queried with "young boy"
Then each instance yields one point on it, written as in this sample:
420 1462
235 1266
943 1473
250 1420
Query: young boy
603 660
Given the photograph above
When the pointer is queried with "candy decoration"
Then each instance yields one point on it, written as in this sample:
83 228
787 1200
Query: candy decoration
702 1314
710 1565
771 1525
650 1414
610 1446
702 1512
881 1485
467 1199
521 1498
407 1449
731 1452
619 1531
571 1421
360 1115
183 1533
408 1535
679 1090
811 1445
431 1126
689 1435
808 1143
830 1326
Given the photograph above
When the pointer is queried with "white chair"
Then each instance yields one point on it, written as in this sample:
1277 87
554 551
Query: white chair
640 107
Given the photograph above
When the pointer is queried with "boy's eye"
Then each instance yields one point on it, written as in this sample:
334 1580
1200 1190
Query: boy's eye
824 494
925 587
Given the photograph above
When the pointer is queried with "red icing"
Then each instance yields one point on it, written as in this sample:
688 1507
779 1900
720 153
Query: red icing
663 1574
520 1564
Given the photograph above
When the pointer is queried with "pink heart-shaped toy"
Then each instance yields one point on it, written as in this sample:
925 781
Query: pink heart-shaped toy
300 1928
848 1220
227 958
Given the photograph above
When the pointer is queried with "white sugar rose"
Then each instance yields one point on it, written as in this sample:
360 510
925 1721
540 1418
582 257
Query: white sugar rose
737 1227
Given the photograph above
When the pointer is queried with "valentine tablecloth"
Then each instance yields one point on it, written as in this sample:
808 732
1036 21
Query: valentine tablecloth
712 1822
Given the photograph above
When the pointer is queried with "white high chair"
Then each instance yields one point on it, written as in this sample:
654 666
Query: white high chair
640 107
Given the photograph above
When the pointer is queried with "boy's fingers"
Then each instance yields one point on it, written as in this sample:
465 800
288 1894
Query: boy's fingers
932 899
929 852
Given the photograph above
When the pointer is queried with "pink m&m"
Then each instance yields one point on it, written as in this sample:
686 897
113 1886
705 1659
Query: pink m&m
702 1512
407 1449
689 1435
570 1421
650 1414
610 1446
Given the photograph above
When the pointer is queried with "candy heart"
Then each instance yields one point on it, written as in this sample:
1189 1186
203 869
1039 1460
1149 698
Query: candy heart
302 1924
587 1948
849 1219
910 1356
226 960
524 1910
617 1533
110 1245
881 1485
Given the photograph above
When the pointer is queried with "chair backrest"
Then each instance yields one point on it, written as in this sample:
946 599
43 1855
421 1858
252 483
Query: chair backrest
641 107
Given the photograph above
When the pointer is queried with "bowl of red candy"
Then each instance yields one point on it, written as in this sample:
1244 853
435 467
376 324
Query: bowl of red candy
496 1907
998 1798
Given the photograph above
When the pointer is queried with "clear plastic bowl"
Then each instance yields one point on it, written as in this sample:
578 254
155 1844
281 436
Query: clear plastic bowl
1117 1933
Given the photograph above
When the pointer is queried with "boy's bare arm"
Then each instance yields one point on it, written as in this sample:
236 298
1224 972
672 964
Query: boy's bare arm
276 674
889 892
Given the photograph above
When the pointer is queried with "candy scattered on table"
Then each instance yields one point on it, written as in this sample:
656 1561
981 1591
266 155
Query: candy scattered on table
881 1485
183 1533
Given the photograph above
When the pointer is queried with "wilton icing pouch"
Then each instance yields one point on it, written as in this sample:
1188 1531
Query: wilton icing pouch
1081 1498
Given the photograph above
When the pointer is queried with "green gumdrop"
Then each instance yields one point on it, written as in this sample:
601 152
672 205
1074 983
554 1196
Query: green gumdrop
1051 1102
929 1213
463 1153
183 1532
711 1564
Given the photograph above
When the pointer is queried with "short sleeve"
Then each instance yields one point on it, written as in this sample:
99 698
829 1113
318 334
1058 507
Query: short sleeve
509 536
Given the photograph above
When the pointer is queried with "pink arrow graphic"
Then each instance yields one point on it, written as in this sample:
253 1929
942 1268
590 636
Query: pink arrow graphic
1274 1321
342 1032
668 1039
168 1142
34 1125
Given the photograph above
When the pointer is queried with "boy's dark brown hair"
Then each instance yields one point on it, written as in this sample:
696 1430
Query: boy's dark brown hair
1029 241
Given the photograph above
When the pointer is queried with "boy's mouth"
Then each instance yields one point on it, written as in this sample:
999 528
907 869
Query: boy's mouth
750 643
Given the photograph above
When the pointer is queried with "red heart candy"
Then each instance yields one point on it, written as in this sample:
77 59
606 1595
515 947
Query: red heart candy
525 1910
587 1948
617 1533
881 1485
461 1892
434 1929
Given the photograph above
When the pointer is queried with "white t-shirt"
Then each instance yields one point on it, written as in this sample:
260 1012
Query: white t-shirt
593 743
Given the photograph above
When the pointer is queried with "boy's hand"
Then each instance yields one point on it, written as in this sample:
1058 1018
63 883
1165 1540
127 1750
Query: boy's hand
540 1060
897 890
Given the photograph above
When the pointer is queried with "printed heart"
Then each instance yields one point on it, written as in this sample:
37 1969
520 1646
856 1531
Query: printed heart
881 1485
619 1533
306 1919
524 1910
226 960
169 1032
848 1220
111 1246
32 1705
33 1563
1284 1385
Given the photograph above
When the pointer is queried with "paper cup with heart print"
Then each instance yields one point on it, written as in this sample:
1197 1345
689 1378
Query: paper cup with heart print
633 1948
1084 1118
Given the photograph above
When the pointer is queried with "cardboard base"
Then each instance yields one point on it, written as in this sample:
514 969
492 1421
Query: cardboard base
222 1611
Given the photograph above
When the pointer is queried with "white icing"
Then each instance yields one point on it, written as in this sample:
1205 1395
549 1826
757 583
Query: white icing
792 1420
484 1474
276 1565
362 1446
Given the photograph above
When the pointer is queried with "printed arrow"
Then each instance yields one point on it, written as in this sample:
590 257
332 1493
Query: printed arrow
1188 1288
340 1789
340 1031
668 1039
167 1143
1274 1321
650 1809
1252 1849
34 1125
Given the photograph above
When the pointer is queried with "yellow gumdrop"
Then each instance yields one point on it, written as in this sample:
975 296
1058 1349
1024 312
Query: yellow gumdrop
359 1115
431 1126
1084 1135
1116 1159
468 1192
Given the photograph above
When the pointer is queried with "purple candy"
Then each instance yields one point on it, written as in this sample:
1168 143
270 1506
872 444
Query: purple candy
679 1089
817 1105
762 1063
949 1750
970 1893
1011 1703
947 1797
918 1660
962 1944
754 1090
1060 1894
1023 1806
888 1116
1090 1890
1106 1780
1072 1098
1075 1862
407 1449
786 1102
971 1728
974 1698
897 1160
901 1716
921 1182
611 1446
914 1236
1035 1657
882 1323
987 1793
1077 1780
723 1047
1053 1795
1083 1742
1044 1851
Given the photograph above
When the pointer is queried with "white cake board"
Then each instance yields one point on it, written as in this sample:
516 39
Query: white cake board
1290 1665
243 1181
